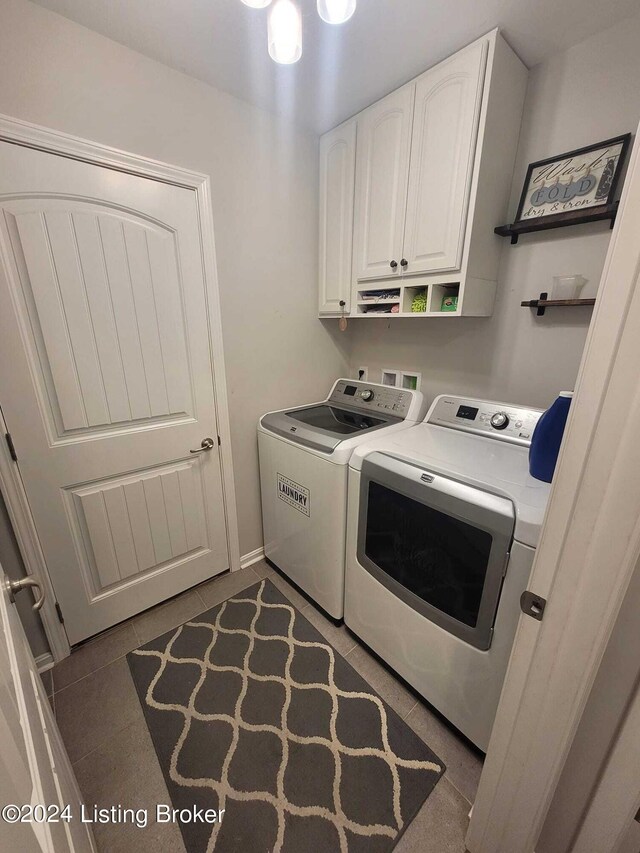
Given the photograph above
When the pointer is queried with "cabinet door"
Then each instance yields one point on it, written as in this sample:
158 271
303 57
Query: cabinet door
445 125
337 176
382 169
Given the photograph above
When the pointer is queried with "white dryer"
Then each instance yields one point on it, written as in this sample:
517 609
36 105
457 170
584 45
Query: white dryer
443 522
304 458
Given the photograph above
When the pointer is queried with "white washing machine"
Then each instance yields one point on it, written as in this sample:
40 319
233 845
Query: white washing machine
443 522
304 458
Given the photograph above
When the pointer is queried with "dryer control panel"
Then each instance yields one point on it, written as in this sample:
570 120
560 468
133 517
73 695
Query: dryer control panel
502 421
382 399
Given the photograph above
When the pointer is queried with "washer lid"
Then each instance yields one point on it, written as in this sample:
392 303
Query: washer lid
325 425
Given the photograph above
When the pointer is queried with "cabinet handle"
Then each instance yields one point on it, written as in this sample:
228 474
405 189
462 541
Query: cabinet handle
393 264
404 262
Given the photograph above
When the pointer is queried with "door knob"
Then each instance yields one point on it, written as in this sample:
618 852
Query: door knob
393 264
206 445
14 587
404 262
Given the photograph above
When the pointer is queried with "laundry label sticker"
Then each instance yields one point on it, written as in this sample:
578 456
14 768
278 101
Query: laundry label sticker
294 494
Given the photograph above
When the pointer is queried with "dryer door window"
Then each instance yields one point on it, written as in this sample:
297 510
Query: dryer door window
440 559
439 545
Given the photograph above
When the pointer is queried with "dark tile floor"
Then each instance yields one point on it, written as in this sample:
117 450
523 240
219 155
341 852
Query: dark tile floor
103 727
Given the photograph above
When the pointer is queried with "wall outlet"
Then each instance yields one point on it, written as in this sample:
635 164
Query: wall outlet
363 374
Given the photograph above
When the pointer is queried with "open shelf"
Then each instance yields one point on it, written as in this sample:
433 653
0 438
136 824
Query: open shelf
399 297
543 303
377 299
429 297
560 220
440 293
411 293
378 291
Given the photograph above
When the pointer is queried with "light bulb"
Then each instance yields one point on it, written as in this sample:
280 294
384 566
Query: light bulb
336 11
285 32
256 4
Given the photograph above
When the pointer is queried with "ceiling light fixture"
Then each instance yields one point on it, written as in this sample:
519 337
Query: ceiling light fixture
336 11
284 27
285 32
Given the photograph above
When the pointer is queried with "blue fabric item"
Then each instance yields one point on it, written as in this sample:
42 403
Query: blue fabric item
547 438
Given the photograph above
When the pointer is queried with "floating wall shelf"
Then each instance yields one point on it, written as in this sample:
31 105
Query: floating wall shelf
561 220
543 303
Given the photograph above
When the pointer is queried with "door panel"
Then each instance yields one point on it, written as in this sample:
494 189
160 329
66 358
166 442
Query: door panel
106 383
337 176
126 332
382 167
126 526
106 316
447 110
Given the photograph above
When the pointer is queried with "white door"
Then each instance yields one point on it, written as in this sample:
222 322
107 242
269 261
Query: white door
106 383
382 170
34 768
591 522
445 125
337 176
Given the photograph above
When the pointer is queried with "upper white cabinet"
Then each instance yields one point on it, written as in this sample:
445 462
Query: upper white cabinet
337 175
382 166
445 125
433 168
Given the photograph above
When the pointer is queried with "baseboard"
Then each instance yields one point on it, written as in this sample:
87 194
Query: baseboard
44 662
252 557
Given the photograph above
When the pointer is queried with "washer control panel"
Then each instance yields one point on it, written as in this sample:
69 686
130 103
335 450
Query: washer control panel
495 420
366 396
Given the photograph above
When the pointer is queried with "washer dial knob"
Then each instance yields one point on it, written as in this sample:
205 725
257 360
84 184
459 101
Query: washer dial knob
367 395
500 420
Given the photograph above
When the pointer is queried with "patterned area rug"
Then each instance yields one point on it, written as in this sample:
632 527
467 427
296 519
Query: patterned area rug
252 711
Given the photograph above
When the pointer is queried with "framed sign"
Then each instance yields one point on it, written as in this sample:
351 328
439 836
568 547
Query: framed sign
581 179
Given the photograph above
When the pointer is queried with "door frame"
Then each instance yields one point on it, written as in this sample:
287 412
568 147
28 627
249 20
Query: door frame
28 135
589 548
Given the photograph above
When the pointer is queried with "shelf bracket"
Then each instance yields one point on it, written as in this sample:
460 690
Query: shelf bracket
558 220
543 302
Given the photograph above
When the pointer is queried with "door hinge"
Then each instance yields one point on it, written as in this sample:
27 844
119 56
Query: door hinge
219 441
533 605
59 612
11 446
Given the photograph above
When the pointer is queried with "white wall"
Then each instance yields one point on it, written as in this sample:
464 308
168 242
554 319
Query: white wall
586 94
264 186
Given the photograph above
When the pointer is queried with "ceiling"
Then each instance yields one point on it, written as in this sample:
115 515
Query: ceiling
344 68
